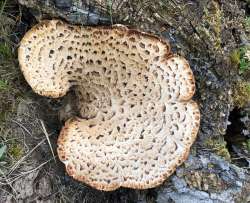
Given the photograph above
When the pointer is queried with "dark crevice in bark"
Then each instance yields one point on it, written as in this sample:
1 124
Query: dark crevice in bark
235 137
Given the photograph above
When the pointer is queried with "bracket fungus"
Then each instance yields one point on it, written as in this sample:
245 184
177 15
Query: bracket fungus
137 120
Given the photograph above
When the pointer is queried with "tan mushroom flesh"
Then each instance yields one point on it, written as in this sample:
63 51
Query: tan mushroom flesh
137 122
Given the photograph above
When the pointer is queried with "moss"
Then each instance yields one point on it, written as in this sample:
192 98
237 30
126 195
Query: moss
241 58
5 50
16 151
9 73
213 17
235 57
241 94
210 165
218 145
244 59
210 28
4 85
204 181
247 24
248 145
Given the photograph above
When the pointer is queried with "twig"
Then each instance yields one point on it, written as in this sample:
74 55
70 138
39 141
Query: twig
7 181
22 126
24 157
13 179
9 194
47 137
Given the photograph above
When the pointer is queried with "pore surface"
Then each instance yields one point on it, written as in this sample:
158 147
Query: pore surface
138 121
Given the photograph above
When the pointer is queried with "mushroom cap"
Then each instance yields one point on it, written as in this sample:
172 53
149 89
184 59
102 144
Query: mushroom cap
137 122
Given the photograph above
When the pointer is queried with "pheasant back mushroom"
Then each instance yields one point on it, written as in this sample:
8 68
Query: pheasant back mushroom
137 122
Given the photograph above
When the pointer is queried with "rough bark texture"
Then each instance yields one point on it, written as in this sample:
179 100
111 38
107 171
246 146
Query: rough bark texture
205 32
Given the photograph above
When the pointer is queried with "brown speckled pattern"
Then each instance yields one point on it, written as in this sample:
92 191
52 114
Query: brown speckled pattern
138 120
